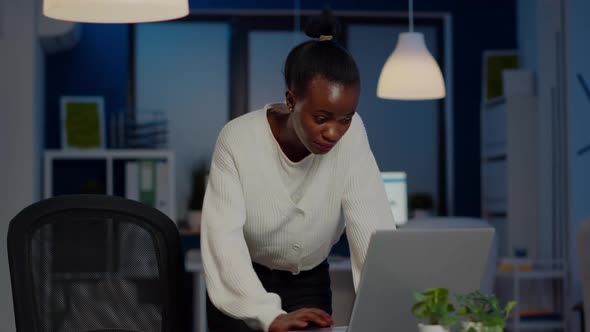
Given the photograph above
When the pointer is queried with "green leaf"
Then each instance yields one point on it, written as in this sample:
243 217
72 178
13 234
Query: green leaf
430 291
433 304
443 293
476 306
420 310
494 321
419 297
509 307
462 311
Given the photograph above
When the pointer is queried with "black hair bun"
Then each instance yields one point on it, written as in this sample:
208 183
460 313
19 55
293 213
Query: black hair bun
324 24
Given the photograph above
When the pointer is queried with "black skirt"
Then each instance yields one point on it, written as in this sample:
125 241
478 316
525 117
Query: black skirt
308 289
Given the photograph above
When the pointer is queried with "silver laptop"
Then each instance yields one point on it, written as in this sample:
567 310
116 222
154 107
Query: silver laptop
401 262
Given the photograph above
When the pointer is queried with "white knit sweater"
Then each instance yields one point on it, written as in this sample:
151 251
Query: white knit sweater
250 214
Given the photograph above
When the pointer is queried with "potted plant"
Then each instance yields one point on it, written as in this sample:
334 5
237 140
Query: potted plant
433 305
482 313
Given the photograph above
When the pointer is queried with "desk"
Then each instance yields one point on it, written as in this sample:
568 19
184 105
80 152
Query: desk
194 265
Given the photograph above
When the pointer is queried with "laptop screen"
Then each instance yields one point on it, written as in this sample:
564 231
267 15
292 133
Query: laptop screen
396 190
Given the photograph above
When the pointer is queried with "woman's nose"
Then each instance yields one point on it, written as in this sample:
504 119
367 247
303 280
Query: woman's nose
331 134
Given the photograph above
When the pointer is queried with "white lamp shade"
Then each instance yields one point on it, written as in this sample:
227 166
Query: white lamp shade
411 73
115 11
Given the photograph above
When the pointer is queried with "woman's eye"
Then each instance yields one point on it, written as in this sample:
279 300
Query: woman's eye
320 119
346 120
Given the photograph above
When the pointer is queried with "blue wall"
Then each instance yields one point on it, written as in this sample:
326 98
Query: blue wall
579 120
98 65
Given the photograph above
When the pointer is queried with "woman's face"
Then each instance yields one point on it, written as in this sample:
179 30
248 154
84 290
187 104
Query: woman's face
323 115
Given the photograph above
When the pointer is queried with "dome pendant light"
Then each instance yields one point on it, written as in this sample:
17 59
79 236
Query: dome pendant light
411 73
115 11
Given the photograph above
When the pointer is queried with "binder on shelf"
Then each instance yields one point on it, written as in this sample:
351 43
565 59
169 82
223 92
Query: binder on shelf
147 182
162 188
155 188
132 180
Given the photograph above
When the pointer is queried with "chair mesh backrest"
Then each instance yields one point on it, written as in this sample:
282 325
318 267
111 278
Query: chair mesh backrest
94 269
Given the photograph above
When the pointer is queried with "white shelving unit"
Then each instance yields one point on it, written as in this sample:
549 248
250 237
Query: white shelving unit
535 326
511 181
109 156
543 270
494 170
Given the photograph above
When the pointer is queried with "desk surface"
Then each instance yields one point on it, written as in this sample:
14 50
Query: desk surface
193 262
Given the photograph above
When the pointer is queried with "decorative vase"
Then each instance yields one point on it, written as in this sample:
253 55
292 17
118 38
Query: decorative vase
432 328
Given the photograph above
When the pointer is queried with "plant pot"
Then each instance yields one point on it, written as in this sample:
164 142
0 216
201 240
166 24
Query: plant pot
480 328
477 326
432 328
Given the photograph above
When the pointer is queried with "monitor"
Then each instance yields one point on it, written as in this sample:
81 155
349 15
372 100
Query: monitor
396 191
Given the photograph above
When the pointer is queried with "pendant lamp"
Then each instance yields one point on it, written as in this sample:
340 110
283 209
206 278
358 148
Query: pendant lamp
410 72
115 11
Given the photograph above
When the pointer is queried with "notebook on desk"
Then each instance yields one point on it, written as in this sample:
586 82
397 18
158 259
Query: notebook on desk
401 262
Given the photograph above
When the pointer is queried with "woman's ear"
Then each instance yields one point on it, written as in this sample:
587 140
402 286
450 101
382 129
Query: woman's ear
290 100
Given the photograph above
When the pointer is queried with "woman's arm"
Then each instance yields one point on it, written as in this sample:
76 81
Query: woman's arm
233 286
364 202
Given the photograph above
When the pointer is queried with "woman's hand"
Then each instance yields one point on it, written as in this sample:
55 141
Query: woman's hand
300 319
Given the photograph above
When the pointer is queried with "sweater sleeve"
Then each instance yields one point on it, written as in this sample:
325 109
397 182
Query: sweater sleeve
232 284
364 202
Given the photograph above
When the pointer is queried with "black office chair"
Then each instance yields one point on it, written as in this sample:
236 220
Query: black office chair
90 263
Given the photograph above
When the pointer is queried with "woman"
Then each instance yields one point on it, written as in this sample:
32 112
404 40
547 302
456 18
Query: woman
279 179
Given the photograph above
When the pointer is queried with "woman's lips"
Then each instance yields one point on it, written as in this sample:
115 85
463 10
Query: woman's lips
324 147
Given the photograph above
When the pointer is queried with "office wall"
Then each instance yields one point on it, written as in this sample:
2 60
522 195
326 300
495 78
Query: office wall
97 65
193 60
578 53
20 64
403 134
265 73
526 33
